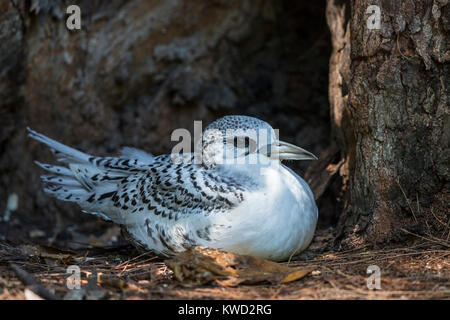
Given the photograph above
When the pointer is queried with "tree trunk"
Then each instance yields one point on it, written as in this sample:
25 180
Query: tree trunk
389 97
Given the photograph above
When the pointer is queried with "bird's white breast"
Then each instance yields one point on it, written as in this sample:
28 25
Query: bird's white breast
275 221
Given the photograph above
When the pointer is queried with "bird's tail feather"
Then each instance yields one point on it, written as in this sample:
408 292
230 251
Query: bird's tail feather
63 185
89 181
65 153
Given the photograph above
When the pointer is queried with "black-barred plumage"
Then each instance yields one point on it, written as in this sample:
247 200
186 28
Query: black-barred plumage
168 203
118 188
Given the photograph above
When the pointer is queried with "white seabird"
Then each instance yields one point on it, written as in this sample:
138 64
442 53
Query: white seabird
239 198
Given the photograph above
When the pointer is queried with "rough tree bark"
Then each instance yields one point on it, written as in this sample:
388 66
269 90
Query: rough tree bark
389 97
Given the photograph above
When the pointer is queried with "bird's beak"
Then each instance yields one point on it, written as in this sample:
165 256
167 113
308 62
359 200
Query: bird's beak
287 151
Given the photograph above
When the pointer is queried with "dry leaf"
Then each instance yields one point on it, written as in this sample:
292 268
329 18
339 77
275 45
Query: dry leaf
295 275
113 282
330 256
201 265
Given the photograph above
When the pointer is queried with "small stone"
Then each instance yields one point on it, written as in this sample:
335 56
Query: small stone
36 233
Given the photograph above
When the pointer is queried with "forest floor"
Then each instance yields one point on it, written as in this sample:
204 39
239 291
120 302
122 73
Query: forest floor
418 271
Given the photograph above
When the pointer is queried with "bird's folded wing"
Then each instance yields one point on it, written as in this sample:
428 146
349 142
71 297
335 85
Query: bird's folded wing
170 189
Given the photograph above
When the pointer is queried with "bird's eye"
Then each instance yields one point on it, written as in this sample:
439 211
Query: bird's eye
236 142
240 142
243 142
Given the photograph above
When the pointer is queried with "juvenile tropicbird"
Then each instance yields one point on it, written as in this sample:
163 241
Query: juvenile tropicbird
168 203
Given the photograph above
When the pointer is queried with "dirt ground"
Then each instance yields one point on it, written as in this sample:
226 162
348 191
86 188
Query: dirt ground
418 271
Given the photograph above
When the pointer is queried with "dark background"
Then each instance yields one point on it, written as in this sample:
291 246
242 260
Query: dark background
139 69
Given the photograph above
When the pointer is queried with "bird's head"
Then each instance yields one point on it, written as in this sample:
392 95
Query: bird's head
246 140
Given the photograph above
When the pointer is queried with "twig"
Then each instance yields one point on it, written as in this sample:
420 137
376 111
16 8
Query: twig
34 284
135 258
437 219
441 242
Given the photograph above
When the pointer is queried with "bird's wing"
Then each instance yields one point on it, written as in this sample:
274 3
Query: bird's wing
177 189
116 187
173 205
146 194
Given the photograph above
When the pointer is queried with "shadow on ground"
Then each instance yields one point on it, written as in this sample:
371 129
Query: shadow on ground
419 271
